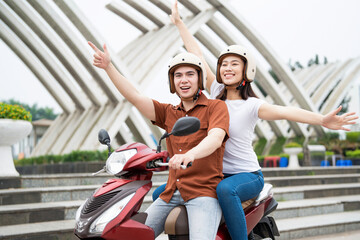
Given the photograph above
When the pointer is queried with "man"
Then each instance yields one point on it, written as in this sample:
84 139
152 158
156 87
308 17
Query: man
194 187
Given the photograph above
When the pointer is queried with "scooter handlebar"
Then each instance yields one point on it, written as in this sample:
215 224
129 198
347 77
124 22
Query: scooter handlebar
161 164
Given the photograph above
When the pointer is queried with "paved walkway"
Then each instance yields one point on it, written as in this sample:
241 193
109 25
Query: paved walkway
162 237
338 236
353 235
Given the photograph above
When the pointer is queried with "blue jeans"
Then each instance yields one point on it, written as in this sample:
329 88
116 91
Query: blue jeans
231 191
204 215
158 191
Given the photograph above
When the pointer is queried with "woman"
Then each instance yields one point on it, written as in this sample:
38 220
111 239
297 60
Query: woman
243 177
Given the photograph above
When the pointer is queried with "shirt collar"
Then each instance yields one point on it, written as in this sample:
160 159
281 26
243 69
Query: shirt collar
202 100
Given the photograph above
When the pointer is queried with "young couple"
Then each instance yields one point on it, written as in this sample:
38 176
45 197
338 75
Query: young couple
222 148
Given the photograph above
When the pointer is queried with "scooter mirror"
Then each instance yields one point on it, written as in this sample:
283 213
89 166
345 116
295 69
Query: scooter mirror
185 126
103 137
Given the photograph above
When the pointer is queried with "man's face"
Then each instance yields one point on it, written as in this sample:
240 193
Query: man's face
186 81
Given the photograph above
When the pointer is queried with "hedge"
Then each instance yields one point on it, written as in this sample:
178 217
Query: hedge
74 156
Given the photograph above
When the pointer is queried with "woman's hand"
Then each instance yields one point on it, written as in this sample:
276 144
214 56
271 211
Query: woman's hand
175 16
336 122
101 59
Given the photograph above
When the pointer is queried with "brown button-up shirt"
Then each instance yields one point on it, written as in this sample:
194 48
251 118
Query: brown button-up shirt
203 176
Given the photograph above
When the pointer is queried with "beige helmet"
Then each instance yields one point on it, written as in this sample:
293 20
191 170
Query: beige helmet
250 64
186 58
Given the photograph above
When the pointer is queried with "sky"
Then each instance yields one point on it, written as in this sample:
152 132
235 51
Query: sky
295 30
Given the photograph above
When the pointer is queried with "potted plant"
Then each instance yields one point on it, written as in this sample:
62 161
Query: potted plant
293 149
15 124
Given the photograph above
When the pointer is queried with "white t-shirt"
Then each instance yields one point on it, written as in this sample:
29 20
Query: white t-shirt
239 155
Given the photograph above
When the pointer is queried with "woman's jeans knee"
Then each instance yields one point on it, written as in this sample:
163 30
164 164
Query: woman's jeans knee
158 191
233 190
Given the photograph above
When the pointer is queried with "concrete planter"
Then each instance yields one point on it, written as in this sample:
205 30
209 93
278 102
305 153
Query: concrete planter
11 132
293 158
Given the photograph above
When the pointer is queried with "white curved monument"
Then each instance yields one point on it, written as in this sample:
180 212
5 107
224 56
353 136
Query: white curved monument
55 50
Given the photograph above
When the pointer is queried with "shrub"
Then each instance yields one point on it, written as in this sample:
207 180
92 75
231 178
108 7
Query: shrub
353 137
74 156
277 147
260 145
15 112
329 153
330 136
292 145
260 159
353 154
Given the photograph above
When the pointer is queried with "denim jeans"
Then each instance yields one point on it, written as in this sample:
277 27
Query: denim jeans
233 190
158 191
204 215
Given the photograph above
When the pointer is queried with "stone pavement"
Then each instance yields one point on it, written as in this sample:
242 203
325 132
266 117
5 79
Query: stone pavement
312 202
352 235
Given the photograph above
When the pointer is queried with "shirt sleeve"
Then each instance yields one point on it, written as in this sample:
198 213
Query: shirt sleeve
160 114
215 89
257 102
219 117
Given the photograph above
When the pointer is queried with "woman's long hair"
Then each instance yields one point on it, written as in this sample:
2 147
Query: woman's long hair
245 92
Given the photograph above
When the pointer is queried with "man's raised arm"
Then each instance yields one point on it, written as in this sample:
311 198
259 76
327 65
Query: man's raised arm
142 103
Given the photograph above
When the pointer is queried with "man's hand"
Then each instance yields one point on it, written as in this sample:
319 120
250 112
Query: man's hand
181 159
336 122
101 59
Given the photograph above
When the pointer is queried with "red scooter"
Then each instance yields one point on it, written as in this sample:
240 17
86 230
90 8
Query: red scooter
112 212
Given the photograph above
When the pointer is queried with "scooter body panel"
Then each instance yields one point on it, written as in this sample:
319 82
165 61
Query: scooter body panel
97 205
253 215
130 229
142 157
130 209
110 185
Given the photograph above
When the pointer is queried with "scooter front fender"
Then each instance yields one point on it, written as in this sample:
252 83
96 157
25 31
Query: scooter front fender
130 230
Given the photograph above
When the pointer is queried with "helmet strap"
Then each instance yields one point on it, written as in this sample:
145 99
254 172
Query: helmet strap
238 87
194 98
242 83
198 93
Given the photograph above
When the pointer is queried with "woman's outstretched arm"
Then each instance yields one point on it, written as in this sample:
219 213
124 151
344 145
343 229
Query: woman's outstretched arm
330 120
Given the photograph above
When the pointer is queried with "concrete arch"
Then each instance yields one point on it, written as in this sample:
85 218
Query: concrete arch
55 50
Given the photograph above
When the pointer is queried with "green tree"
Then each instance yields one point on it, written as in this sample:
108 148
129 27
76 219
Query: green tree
345 105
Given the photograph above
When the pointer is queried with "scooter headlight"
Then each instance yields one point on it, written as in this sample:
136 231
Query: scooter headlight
117 160
78 212
100 223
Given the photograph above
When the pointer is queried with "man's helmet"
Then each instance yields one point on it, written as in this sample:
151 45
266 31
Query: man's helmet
250 64
186 58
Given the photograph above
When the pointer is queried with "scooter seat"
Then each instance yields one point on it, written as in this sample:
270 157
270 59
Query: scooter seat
177 226
176 223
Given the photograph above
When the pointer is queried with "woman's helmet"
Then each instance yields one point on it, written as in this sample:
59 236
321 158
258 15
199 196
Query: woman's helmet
186 58
250 65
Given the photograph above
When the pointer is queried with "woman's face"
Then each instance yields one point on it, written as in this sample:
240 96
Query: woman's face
232 69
